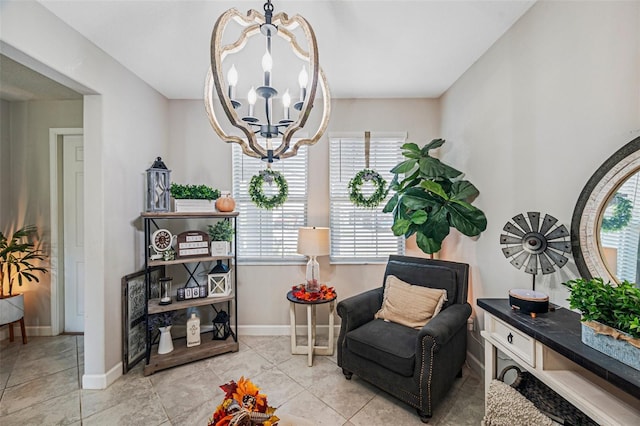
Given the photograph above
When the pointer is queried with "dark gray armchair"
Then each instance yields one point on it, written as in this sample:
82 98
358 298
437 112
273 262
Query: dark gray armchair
416 366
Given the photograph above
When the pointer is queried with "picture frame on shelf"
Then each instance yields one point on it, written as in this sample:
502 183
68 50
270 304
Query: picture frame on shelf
134 332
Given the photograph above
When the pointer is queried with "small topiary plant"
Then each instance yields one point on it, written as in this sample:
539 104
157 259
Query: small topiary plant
221 231
193 192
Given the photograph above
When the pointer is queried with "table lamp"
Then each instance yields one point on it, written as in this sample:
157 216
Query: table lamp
312 242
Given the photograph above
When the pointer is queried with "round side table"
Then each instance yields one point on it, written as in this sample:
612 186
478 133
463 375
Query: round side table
310 349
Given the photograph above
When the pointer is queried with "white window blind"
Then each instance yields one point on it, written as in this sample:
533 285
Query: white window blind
625 241
360 235
270 235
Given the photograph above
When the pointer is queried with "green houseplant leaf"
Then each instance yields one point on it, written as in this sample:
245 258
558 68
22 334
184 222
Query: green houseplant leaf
19 259
432 199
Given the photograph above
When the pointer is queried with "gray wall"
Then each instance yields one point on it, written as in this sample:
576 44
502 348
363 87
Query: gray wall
24 174
533 119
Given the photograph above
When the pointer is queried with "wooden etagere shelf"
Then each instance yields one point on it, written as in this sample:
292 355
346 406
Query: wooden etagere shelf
181 354
154 306
208 347
188 215
190 259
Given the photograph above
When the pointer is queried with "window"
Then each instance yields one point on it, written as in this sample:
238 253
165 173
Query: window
360 235
270 235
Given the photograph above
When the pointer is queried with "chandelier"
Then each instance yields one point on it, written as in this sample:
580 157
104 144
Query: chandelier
269 112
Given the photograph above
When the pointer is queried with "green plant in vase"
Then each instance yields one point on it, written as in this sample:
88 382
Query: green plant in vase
616 306
193 192
610 317
221 231
19 262
221 234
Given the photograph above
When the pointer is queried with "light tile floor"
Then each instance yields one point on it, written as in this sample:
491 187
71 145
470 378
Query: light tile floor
40 384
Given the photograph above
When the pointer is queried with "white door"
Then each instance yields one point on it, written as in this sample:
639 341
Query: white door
73 212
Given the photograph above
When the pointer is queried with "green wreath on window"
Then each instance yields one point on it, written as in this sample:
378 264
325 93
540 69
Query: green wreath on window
355 185
622 211
257 193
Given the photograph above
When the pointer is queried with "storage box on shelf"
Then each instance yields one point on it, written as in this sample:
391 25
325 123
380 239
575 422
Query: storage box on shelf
227 302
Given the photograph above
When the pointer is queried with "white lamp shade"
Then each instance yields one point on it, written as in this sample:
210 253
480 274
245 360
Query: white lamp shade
313 241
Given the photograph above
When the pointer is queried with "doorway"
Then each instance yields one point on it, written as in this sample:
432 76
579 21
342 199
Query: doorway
67 230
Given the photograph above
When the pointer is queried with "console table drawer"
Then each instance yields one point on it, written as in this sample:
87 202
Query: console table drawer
514 340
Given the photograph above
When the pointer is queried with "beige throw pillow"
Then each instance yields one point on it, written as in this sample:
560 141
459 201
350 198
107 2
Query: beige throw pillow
410 305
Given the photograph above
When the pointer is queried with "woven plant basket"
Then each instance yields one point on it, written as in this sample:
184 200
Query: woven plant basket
546 399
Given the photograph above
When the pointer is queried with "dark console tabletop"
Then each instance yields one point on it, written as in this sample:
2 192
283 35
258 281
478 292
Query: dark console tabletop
560 330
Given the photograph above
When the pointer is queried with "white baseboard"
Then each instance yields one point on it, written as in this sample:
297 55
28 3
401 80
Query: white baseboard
475 365
31 331
102 381
281 330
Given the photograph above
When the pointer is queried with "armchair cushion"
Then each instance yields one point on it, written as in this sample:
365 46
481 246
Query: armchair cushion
391 345
410 305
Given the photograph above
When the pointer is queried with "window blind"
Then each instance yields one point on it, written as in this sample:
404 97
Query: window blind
361 235
270 235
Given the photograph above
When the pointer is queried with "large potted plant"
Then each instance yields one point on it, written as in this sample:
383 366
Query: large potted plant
431 198
19 262
193 198
610 317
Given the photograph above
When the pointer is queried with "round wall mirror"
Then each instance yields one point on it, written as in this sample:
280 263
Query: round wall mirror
605 227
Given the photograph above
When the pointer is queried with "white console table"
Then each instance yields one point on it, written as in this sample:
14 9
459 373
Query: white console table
549 347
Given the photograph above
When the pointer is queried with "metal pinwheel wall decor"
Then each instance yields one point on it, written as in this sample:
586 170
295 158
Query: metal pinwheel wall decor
536 245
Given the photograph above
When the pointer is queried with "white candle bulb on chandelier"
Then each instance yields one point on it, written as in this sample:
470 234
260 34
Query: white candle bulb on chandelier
286 103
232 79
252 97
267 64
303 80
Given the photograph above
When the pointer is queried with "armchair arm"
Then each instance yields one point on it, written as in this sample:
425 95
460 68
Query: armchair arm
359 309
444 325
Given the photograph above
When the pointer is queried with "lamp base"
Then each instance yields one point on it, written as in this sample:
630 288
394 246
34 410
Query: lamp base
312 286
313 276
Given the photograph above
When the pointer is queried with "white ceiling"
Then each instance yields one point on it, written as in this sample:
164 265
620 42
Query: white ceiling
368 49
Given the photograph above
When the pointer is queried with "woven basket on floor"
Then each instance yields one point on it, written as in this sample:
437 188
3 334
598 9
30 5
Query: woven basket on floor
546 399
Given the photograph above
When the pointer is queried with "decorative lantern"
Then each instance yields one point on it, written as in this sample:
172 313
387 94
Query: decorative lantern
219 280
158 187
165 290
221 326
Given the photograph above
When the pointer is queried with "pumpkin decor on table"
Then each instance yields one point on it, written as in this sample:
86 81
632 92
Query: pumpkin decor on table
326 293
243 405
225 204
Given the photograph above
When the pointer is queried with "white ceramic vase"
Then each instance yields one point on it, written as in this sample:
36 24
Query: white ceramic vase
166 343
11 309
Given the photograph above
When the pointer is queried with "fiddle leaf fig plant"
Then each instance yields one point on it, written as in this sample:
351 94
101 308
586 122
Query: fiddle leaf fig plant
431 198
18 258
617 306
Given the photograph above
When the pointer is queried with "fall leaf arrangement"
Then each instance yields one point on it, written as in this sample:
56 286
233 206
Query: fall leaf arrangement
325 293
243 404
